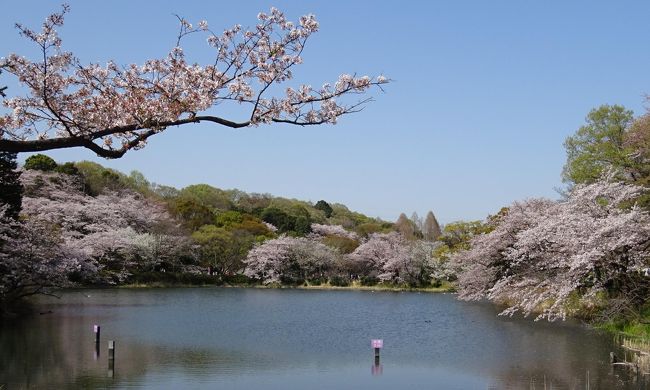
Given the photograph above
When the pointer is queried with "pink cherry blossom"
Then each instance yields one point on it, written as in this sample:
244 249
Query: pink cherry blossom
111 108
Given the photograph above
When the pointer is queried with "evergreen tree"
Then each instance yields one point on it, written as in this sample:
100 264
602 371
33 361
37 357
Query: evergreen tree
11 191
431 229
325 207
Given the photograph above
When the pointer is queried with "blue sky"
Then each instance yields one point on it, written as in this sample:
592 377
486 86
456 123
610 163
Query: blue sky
484 95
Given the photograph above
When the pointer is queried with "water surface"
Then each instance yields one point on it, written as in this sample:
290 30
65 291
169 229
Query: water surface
277 339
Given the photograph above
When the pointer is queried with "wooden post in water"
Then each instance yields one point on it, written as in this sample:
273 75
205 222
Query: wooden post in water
111 350
97 329
111 358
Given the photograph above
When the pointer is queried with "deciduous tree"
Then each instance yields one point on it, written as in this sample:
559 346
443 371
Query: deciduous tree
112 109
598 145
544 253
431 229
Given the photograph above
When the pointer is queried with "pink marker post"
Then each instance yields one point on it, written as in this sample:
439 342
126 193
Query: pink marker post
377 344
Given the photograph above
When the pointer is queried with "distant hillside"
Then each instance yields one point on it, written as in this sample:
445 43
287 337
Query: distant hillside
123 226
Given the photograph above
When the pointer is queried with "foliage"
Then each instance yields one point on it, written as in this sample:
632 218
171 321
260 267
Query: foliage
40 162
222 249
191 212
366 229
599 145
457 235
11 190
369 280
112 109
343 245
68 168
542 253
339 281
207 196
97 179
324 207
278 218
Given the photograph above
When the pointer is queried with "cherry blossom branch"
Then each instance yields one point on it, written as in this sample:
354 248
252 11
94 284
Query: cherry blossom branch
112 109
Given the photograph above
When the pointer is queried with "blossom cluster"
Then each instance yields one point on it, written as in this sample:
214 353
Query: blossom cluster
544 252
118 108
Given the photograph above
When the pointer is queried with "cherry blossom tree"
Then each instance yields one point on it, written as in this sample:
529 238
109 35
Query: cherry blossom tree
380 255
320 230
121 231
34 259
289 260
543 254
112 109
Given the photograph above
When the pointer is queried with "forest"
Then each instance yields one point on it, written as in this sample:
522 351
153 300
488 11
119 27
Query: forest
80 224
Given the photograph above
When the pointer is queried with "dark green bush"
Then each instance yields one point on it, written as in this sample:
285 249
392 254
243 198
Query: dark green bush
288 280
40 162
339 281
68 168
316 281
237 279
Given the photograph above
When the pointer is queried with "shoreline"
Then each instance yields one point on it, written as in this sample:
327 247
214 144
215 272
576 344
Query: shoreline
323 287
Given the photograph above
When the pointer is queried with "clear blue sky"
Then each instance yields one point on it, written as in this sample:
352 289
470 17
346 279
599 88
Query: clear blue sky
484 95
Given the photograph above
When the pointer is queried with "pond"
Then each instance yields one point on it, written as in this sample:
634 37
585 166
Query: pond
277 339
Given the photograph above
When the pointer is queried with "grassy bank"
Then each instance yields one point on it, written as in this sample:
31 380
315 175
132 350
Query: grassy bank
169 280
358 286
639 328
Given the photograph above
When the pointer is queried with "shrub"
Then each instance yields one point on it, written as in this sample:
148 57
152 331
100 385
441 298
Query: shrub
40 162
316 281
68 168
339 281
369 280
237 279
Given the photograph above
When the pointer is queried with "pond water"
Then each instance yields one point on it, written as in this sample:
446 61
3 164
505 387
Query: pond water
278 339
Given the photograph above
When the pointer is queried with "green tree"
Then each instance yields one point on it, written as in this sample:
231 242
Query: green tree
324 207
221 249
366 229
11 191
138 182
193 214
98 179
228 218
68 168
40 162
598 145
457 235
208 196
278 218
302 225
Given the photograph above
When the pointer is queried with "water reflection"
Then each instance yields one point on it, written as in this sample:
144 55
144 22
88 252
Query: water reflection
237 338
